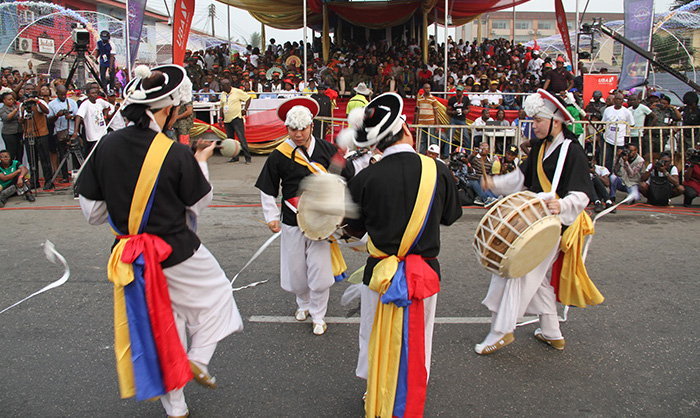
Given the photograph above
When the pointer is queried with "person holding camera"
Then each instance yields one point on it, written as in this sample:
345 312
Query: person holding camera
35 125
12 179
627 171
457 109
692 177
509 163
660 182
62 111
600 176
480 164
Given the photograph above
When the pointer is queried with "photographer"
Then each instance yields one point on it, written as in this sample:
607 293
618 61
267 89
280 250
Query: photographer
627 171
660 182
509 163
692 177
34 112
480 163
62 111
12 180
459 167
106 54
457 109
600 176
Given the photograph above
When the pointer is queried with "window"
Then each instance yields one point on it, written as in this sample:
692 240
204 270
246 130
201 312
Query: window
522 24
116 30
500 24
545 24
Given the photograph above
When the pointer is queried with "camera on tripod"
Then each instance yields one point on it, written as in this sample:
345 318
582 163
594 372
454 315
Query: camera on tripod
80 36
29 100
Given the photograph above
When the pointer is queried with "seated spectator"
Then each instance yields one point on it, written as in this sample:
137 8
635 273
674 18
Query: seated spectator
480 162
434 153
526 125
600 176
206 95
627 171
660 182
692 178
475 97
510 100
12 179
493 98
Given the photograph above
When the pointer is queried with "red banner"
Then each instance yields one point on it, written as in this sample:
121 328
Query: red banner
182 20
602 82
564 29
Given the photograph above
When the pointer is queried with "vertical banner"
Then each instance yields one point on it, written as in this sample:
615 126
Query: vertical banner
564 30
182 19
136 10
639 20
603 82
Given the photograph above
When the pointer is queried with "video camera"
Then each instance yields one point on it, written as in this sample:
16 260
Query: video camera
694 156
28 101
80 37
456 161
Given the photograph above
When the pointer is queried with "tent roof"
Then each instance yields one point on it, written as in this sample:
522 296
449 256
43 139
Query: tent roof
288 14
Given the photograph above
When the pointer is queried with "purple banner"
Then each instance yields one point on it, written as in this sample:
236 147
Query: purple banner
137 8
639 19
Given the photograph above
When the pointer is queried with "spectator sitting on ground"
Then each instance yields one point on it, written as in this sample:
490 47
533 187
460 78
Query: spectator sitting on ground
692 176
627 171
508 163
12 179
600 176
480 161
660 183
434 153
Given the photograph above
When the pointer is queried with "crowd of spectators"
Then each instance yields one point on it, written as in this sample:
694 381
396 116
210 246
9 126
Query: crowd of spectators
494 75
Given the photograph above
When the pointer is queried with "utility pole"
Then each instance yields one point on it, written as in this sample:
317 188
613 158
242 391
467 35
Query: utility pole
212 15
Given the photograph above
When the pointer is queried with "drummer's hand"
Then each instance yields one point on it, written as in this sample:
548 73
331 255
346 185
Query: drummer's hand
486 182
554 206
274 226
204 150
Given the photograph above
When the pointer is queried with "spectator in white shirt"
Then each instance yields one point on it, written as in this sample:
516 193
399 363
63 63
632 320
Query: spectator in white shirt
91 114
615 133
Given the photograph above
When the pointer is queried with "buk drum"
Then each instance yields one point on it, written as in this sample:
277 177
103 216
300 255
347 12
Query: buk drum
321 208
516 235
230 148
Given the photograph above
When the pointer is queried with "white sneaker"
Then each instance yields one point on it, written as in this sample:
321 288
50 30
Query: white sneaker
489 202
320 328
478 202
301 314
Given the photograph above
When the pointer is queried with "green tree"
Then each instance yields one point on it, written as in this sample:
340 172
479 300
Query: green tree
668 50
254 39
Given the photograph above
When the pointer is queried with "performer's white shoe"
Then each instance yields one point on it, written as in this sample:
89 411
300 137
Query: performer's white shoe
484 349
320 328
556 344
301 314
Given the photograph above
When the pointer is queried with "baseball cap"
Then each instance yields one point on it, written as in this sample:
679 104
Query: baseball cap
460 88
512 149
434 149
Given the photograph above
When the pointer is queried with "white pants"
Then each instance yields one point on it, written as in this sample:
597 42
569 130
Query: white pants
306 271
203 307
368 308
510 299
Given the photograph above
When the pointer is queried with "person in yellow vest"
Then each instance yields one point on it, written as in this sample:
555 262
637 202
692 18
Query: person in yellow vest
403 200
151 190
360 99
306 269
556 169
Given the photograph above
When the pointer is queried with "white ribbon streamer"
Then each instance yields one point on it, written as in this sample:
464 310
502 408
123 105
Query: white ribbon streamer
257 253
52 255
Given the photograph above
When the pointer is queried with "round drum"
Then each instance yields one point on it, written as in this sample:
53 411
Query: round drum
516 235
321 207
230 148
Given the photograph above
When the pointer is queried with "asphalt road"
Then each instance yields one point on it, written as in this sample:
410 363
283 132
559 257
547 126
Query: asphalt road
635 355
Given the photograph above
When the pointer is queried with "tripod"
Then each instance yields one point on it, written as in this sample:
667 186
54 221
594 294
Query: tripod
80 59
74 150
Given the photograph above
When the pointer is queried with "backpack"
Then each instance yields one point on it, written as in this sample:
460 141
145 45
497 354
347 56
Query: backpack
660 189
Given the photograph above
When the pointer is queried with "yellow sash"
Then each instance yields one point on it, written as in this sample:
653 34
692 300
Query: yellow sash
575 286
385 340
337 260
121 274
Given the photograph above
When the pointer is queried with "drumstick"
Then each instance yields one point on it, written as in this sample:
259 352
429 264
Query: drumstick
259 220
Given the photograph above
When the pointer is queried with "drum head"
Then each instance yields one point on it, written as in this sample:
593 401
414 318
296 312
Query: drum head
321 207
531 248
230 148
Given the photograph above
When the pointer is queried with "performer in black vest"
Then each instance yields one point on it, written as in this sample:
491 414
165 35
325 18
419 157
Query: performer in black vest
159 217
305 265
509 299
403 200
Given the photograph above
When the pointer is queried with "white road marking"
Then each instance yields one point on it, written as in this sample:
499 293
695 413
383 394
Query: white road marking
271 319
